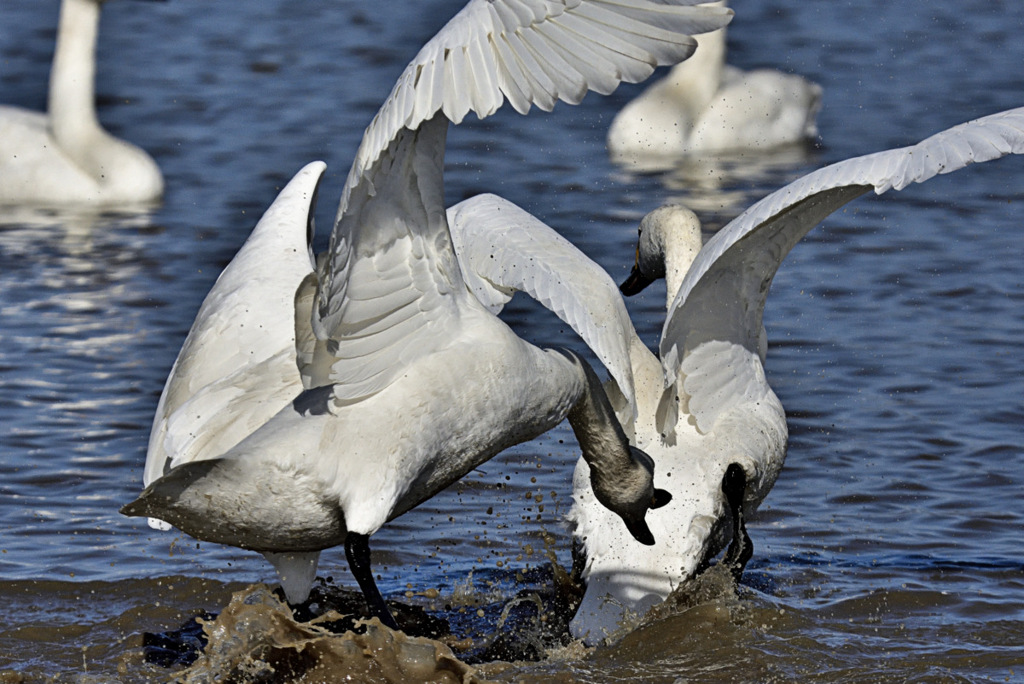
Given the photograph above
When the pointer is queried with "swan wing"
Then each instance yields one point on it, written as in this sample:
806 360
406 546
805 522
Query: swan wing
503 249
532 52
391 285
223 413
237 328
723 295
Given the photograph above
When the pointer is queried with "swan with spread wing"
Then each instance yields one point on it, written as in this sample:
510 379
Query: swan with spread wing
409 381
705 411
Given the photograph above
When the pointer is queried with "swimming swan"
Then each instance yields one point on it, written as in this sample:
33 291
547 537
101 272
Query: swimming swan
387 332
704 106
719 448
64 157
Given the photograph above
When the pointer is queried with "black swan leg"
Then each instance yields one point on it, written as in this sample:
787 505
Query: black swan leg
357 551
740 550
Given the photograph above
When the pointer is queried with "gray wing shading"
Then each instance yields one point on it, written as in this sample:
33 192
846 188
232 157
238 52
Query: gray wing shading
533 52
503 249
723 295
391 282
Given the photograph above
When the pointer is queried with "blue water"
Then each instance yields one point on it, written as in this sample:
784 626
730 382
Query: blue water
895 329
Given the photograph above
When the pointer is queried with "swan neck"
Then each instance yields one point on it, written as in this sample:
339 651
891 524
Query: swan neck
678 257
700 76
600 436
71 103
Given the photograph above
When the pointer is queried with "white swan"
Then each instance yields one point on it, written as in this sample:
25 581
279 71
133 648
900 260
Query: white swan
387 332
717 410
64 157
704 106
238 367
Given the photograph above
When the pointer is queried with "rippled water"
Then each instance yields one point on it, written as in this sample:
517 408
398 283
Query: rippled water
890 547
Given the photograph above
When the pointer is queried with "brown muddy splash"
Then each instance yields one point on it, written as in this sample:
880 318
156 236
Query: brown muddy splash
257 639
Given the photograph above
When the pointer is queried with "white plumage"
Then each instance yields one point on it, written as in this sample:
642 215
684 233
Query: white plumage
409 382
704 106
64 157
707 404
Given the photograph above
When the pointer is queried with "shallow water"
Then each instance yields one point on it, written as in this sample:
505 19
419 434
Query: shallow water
889 549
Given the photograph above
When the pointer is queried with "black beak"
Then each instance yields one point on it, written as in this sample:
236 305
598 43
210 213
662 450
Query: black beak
635 283
640 531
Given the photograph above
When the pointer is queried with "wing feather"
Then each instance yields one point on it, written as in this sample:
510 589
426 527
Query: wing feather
368 321
236 333
632 36
503 249
723 295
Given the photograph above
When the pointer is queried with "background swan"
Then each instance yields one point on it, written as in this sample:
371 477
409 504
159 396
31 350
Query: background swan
64 157
717 409
705 106
386 323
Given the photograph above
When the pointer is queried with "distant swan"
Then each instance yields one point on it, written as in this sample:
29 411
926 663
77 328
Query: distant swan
409 381
64 157
720 446
704 106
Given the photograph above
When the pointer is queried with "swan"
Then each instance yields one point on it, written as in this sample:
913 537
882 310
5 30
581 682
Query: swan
64 157
706 413
387 332
238 367
704 106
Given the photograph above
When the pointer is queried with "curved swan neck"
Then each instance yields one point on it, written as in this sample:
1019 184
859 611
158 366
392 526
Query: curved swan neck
593 421
620 478
71 103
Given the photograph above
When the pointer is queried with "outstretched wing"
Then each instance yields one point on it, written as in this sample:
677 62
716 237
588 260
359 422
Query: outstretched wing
390 281
533 52
723 295
236 338
502 249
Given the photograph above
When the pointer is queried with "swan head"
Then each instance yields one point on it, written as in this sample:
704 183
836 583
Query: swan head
632 495
668 241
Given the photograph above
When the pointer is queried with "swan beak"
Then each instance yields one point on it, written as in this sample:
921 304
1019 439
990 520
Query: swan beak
638 526
635 283
640 531
135 508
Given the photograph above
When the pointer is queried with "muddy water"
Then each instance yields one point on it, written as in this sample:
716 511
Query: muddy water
888 551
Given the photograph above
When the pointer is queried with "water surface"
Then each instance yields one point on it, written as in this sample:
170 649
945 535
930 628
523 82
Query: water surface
889 549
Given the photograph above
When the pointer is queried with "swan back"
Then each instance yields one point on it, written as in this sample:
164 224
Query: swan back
758 110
